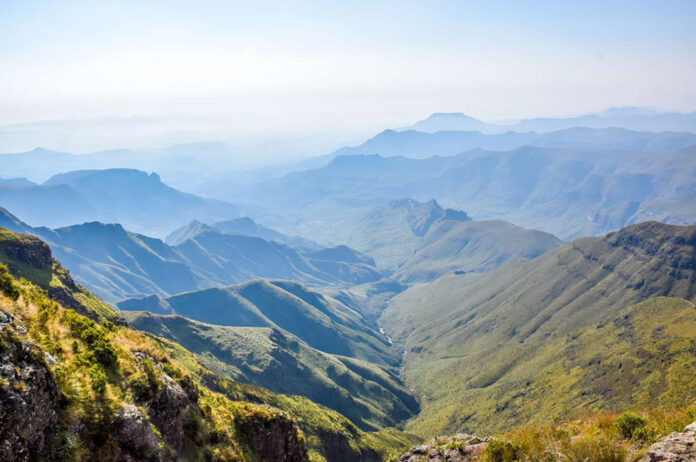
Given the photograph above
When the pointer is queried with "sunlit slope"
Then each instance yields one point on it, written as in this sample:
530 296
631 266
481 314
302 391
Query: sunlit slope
369 395
495 350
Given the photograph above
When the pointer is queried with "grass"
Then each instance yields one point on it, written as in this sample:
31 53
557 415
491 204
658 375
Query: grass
100 369
583 328
369 395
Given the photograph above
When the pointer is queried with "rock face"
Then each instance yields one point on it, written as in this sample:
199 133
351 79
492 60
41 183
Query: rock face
458 448
676 447
28 396
135 437
277 440
30 251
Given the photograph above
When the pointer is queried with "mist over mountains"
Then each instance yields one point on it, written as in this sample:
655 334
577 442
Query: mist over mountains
455 276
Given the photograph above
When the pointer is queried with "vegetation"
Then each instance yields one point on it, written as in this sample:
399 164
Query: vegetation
583 328
101 368
322 322
599 437
369 395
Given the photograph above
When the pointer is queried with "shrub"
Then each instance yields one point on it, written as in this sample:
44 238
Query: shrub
7 284
98 378
630 425
501 451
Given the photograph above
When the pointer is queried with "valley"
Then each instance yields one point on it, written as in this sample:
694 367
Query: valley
421 284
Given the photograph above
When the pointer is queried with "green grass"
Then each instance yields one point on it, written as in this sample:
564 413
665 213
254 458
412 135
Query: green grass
371 396
575 330
98 373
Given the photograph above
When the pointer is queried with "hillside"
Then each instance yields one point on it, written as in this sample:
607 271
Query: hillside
139 201
579 328
422 241
105 391
245 226
30 258
370 396
570 192
117 264
320 321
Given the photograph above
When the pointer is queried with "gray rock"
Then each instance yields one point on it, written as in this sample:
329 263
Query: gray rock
676 447
49 359
28 401
134 434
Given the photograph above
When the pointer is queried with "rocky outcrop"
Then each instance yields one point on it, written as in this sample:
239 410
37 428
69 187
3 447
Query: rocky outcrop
26 250
461 447
675 447
273 435
28 395
136 439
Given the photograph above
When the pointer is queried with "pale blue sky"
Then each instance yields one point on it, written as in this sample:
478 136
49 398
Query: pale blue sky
322 64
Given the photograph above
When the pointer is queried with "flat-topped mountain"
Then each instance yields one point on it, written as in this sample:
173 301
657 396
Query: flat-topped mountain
520 343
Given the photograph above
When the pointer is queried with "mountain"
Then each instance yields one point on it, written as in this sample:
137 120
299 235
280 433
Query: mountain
422 144
449 121
568 192
322 322
244 225
134 198
180 164
598 324
370 396
421 241
117 264
417 144
140 201
79 387
631 118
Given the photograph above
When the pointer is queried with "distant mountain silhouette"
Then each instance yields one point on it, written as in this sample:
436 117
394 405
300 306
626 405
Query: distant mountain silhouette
139 201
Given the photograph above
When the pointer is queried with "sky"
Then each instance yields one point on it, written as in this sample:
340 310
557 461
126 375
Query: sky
295 68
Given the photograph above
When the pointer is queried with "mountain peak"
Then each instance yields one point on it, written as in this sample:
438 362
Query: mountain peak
445 121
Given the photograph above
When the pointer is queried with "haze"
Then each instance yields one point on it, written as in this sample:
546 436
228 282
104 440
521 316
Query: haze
295 79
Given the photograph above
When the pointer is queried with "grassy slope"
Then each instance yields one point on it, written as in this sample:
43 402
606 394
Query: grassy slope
422 241
472 246
227 406
323 323
370 396
485 351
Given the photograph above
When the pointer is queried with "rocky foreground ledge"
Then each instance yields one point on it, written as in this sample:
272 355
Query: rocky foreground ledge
462 447
675 447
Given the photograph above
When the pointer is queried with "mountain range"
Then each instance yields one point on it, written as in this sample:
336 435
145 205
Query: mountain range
78 385
131 197
569 192
632 118
117 264
422 144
